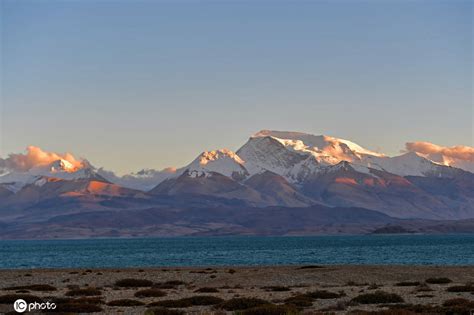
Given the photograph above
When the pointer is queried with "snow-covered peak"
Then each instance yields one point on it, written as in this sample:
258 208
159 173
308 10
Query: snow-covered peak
58 166
14 180
327 149
222 161
63 169
297 155
408 164
459 156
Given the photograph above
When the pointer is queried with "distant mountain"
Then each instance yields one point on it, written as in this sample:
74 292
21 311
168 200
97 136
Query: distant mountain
272 170
144 180
60 169
458 156
210 184
227 220
310 170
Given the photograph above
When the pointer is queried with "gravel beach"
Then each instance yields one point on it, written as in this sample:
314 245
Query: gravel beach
280 289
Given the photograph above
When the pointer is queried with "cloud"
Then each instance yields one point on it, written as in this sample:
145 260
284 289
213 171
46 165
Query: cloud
35 156
460 152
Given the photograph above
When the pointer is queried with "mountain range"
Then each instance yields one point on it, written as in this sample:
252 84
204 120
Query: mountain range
276 183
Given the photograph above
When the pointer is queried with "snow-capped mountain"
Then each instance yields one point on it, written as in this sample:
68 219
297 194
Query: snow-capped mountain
60 169
458 156
273 168
297 156
224 162
408 164
326 170
277 182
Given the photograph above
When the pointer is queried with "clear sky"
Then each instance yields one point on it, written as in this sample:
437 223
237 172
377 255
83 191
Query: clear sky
134 84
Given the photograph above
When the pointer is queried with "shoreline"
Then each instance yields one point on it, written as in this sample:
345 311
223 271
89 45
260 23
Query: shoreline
243 267
274 284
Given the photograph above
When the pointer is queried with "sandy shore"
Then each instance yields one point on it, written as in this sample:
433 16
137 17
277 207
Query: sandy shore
274 285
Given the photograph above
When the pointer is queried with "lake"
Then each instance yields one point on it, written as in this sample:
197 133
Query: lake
238 250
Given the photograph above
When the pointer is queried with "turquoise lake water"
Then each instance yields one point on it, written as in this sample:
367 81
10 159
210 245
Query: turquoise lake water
239 250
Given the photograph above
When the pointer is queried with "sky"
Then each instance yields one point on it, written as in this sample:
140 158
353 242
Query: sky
150 84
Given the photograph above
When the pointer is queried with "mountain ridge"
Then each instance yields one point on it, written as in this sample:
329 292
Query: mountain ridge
272 170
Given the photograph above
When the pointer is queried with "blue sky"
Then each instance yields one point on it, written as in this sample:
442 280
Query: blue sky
133 84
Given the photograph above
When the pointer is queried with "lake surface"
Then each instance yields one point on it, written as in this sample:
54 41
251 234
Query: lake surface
239 250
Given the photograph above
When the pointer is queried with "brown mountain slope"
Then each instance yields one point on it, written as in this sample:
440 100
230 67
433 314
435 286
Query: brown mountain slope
277 189
212 184
394 195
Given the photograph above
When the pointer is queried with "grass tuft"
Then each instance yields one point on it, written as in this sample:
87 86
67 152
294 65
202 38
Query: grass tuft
172 284
150 293
33 287
242 303
133 283
378 297
461 288
78 308
163 311
323 294
438 280
84 292
125 302
300 300
408 284
271 309
11 298
188 302
206 290
311 267
277 288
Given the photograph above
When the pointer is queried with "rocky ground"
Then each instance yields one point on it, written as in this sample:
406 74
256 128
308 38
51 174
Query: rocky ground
246 290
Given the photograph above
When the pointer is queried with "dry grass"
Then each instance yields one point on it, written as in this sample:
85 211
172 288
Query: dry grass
301 300
307 299
456 306
271 309
125 302
84 292
163 311
188 302
33 287
277 288
242 304
150 293
10 298
408 284
461 288
379 297
172 284
78 305
75 308
311 267
323 294
133 283
438 280
206 290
